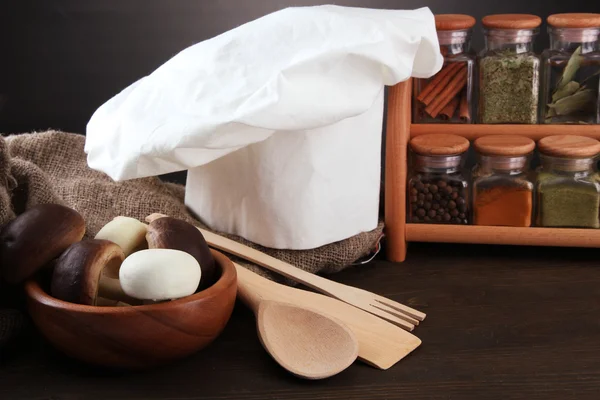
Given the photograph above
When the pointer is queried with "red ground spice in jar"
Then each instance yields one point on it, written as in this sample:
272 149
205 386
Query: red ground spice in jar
502 189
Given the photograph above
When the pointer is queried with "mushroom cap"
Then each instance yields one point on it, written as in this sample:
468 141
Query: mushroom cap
159 274
36 237
176 234
77 272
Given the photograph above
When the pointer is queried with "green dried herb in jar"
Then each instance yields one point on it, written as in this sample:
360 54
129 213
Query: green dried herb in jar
509 70
568 187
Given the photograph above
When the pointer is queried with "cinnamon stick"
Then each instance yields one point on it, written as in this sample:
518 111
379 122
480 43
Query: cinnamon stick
464 113
448 111
440 77
450 91
442 85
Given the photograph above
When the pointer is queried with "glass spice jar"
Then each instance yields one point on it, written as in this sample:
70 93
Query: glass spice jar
447 97
568 185
502 188
509 70
438 192
571 70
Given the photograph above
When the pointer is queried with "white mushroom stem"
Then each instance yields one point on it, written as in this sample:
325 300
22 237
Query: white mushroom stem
110 289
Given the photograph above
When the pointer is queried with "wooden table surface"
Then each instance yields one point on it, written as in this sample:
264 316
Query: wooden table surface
503 323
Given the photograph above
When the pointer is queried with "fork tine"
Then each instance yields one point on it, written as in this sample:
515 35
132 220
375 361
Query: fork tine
393 311
401 307
391 318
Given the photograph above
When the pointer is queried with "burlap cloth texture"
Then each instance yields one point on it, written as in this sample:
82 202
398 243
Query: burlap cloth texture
51 167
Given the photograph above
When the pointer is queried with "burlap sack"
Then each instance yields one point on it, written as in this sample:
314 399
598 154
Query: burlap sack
51 167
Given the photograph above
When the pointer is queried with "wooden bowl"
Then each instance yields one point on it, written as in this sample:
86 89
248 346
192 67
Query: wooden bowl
138 336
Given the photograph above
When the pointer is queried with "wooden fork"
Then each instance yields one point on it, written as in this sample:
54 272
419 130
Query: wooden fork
394 312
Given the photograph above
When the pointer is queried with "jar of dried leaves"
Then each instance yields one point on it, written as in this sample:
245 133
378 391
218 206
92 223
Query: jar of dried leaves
509 70
447 97
571 70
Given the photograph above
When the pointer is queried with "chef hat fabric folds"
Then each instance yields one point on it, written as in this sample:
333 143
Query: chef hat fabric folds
290 78
296 69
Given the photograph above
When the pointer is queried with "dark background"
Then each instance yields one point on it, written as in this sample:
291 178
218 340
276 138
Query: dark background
61 59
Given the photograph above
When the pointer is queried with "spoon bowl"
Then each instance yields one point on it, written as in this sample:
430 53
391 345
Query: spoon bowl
306 342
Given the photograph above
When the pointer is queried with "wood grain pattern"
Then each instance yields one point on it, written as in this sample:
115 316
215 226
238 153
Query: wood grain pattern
397 136
381 344
397 313
504 145
451 22
569 146
535 132
511 21
574 20
138 336
303 340
503 235
439 144
504 323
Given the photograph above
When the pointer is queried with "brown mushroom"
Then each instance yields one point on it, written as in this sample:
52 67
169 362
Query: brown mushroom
173 233
77 272
36 237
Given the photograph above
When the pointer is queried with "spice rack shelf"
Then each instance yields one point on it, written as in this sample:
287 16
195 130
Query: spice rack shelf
502 235
399 131
535 132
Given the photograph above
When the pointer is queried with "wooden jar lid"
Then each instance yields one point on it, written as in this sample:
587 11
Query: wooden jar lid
569 146
439 144
574 20
453 22
504 145
511 21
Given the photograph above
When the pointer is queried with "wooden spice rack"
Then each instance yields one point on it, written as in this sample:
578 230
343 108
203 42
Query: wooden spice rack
399 131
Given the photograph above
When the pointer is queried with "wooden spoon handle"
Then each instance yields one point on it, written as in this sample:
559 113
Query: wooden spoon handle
289 271
250 287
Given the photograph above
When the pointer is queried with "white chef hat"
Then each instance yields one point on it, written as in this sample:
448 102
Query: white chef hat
278 120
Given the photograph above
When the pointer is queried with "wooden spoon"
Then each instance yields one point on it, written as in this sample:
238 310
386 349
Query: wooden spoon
304 341
380 343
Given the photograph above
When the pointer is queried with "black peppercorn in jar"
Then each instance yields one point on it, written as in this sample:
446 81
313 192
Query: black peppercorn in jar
438 192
